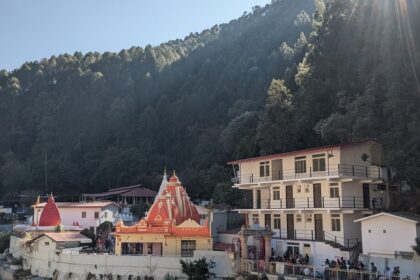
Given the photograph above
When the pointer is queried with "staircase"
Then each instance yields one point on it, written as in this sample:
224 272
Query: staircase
343 244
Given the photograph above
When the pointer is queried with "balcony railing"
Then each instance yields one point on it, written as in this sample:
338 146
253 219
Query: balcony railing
312 235
323 202
340 170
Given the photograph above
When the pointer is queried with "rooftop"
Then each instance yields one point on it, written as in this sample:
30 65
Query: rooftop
402 215
304 151
128 191
91 204
67 237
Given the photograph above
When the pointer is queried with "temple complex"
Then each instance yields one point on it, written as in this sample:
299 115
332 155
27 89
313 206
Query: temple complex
171 227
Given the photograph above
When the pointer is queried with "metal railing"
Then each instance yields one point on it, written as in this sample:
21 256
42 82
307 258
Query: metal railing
312 235
320 272
340 170
351 202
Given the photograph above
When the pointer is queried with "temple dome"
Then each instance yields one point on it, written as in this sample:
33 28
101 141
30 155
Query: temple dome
50 216
172 205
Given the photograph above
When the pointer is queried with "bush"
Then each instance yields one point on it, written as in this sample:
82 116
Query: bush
198 269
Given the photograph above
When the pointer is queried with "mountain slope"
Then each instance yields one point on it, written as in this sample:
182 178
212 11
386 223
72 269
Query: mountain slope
358 80
77 123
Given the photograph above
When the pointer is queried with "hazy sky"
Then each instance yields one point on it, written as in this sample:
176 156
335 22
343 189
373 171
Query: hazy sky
31 30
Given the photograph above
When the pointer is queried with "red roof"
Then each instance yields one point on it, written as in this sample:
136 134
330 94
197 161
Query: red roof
172 213
304 151
50 216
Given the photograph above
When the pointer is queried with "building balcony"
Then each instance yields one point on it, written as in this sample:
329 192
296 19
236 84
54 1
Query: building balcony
345 171
313 235
348 202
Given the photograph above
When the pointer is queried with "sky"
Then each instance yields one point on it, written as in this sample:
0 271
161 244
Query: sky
31 30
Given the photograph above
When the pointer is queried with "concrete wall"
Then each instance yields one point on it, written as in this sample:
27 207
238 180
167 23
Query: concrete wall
71 215
47 263
399 235
171 245
317 251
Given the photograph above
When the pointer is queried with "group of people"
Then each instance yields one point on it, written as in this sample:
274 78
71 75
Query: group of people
343 270
291 258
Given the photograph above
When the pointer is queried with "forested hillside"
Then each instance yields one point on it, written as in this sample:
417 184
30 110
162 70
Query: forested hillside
87 122
358 80
283 77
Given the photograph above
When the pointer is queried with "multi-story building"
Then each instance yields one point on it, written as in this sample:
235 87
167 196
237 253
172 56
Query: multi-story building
310 198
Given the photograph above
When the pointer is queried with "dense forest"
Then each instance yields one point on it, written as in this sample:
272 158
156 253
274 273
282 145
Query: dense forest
290 75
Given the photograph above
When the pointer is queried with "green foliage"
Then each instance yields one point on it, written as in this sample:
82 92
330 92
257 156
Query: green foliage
225 194
88 122
139 209
169 277
105 227
359 79
197 269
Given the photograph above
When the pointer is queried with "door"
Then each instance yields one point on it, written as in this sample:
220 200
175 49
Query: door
307 250
319 232
317 196
258 199
289 197
267 220
290 226
366 196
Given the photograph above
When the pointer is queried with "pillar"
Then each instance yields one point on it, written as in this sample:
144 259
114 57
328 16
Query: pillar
244 251
267 244
254 198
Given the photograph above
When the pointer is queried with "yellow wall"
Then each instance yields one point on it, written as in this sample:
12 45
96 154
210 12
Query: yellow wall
171 245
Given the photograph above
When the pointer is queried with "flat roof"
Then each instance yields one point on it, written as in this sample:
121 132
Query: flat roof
410 217
304 151
67 236
129 191
88 204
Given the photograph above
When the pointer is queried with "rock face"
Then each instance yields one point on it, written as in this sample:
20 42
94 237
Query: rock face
50 216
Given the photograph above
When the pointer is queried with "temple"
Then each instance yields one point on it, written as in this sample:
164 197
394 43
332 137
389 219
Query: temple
171 227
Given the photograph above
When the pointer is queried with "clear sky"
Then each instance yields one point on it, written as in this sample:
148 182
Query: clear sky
31 30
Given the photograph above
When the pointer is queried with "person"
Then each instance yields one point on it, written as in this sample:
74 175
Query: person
387 274
373 271
307 271
306 259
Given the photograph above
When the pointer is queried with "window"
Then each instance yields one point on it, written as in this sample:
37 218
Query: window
255 219
187 248
335 222
299 188
307 189
47 243
293 249
334 190
96 215
309 218
83 214
264 168
276 193
300 164
318 162
298 218
276 221
106 214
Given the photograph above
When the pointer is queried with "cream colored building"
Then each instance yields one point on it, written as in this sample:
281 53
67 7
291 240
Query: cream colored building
310 198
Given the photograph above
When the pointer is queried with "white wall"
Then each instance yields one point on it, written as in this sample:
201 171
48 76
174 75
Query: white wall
74 214
45 263
399 235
